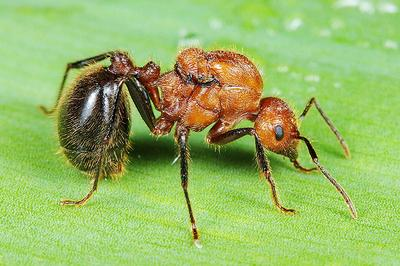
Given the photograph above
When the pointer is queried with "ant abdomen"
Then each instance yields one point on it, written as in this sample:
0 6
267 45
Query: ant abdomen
94 115
93 123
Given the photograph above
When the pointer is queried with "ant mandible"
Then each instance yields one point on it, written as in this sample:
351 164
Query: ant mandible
224 88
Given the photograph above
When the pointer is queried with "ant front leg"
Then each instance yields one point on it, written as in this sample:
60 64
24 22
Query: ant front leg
74 65
143 89
262 160
297 165
181 136
329 122
141 100
148 75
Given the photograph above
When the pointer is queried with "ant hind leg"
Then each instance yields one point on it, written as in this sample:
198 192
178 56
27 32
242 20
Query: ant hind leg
85 199
74 65
297 165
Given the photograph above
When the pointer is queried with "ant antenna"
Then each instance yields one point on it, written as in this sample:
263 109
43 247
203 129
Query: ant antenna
325 172
329 123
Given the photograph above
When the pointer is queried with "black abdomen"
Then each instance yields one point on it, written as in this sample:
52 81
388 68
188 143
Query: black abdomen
93 122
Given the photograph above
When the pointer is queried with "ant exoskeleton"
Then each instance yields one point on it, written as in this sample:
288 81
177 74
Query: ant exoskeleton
224 88
93 116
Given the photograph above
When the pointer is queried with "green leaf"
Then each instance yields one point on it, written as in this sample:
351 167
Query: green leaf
347 57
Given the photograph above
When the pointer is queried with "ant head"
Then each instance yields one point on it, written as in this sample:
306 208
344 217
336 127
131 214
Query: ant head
192 65
276 126
121 63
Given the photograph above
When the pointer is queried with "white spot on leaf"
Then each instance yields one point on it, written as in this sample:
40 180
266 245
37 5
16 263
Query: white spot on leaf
388 8
390 44
294 24
275 91
325 33
347 3
368 7
337 85
215 24
271 32
311 89
295 75
282 69
365 44
337 24
312 78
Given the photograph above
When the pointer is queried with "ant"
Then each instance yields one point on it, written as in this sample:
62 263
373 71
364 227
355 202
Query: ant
93 116
205 88
224 88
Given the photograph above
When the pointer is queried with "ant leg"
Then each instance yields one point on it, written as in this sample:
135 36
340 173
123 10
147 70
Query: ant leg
229 136
328 121
81 202
263 163
301 168
328 176
155 96
141 99
262 160
74 65
182 134
221 127
148 75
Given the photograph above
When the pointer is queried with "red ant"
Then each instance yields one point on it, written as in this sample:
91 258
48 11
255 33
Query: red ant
204 88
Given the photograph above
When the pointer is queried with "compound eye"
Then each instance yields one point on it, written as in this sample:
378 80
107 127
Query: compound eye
278 132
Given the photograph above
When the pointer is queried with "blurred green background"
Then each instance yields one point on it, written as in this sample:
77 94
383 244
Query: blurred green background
344 52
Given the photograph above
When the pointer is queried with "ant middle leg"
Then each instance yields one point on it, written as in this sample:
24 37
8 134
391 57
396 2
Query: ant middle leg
181 136
329 122
262 160
74 65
